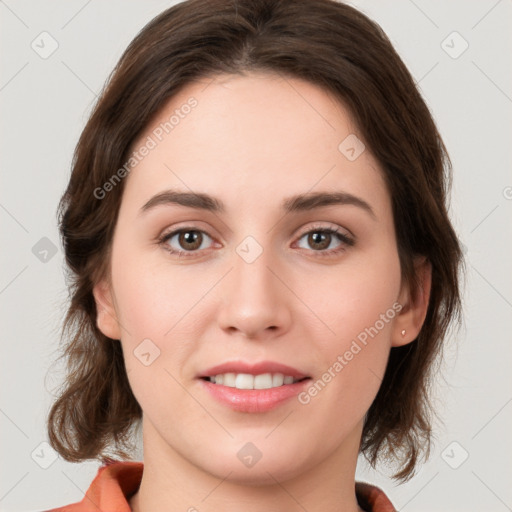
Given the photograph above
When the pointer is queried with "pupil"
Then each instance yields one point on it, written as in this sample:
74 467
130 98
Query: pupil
190 237
320 238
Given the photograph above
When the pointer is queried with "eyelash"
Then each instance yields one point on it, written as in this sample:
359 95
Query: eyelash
344 239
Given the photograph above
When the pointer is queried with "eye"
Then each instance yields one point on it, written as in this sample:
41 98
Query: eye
188 241
185 240
321 240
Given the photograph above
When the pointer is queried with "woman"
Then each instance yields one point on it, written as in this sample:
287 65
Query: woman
263 268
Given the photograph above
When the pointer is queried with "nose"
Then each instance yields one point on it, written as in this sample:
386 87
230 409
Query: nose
256 302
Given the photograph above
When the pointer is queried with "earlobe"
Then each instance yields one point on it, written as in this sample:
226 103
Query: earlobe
414 301
106 316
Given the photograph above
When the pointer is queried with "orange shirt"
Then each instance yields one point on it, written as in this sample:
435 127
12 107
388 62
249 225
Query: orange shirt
116 482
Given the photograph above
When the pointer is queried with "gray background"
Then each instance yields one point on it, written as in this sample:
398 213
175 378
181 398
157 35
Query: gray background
44 105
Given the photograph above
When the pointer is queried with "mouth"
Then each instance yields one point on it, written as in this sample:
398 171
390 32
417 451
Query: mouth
249 381
262 375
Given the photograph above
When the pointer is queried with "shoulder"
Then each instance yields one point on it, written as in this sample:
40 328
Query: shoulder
372 498
110 490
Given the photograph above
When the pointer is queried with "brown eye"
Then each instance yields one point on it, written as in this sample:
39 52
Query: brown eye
190 240
319 240
323 241
185 240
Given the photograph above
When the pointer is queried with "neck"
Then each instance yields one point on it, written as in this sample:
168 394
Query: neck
171 482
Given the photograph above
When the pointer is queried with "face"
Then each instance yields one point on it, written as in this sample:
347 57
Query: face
260 280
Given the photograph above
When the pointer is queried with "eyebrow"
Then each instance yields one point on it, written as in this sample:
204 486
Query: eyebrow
297 203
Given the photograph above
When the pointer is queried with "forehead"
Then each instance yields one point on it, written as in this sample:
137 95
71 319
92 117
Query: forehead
254 136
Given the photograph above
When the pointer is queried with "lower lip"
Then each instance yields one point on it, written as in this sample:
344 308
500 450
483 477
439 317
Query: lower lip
254 400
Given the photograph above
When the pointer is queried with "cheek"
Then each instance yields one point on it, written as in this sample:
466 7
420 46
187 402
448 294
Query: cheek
358 306
152 307
152 296
352 299
157 305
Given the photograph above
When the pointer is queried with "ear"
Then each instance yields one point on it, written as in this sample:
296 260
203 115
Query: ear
106 316
414 303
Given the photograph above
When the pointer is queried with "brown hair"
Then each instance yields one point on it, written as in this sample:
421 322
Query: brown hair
329 44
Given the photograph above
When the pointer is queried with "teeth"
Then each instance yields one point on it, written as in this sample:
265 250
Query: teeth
243 381
229 379
264 381
277 379
248 381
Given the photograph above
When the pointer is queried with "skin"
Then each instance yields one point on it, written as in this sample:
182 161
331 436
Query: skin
253 141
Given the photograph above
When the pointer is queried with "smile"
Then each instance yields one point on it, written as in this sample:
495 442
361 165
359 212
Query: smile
248 381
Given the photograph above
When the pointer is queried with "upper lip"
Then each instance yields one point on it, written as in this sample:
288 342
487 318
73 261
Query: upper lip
253 369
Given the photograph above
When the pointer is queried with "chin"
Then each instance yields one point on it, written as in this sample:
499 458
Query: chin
260 475
260 462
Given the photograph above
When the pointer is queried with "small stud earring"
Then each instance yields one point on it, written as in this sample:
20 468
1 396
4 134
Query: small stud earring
403 332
